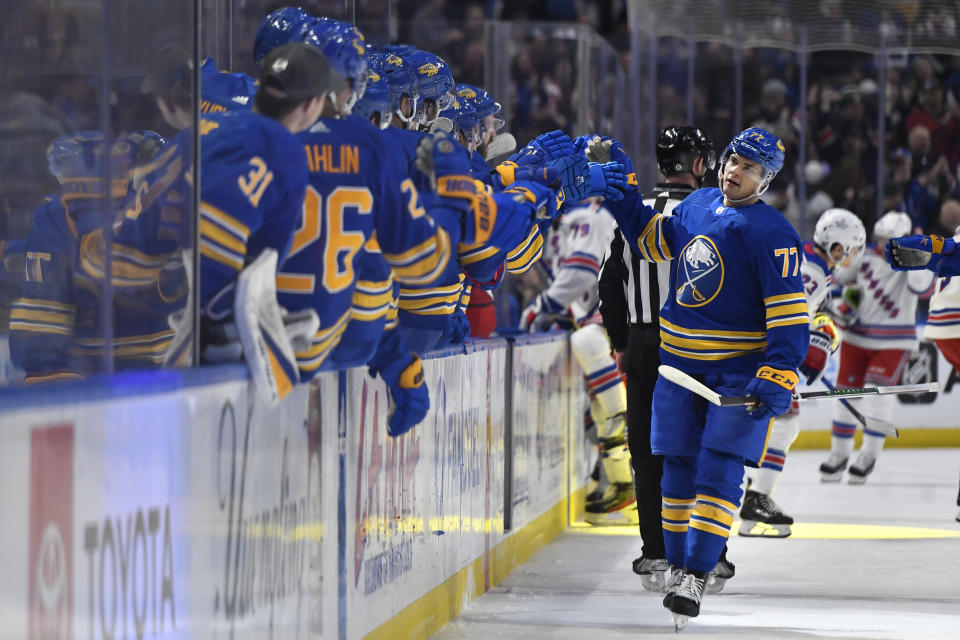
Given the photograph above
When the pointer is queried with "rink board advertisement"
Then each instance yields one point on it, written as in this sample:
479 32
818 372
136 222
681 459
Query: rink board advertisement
168 515
540 413
422 507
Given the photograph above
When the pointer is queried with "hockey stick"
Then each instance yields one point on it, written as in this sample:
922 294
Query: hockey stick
686 381
874 424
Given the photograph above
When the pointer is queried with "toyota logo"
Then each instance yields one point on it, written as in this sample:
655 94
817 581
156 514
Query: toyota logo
51 614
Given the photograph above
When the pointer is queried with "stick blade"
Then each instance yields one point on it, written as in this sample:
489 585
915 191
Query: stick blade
686 381
881 426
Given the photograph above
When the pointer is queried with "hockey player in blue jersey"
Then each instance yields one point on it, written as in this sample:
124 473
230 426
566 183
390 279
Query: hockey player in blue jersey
224 91
737 319
57 331
253 184
435 86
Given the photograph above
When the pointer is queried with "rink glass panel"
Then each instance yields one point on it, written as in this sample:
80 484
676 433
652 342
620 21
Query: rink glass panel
79 66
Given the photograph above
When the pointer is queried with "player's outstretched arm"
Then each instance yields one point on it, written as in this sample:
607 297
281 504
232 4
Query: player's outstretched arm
934 253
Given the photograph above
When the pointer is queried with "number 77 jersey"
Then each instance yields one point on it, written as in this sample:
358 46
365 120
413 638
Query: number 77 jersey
358 189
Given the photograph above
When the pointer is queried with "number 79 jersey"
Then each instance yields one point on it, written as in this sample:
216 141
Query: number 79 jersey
358 189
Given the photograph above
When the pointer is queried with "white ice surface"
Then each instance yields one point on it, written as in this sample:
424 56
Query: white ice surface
581 586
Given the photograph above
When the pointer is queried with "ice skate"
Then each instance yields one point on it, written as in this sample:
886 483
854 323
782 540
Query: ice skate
617 507
832 470
862 468
672 578
958 516
653 573
717 579
762 517
686 602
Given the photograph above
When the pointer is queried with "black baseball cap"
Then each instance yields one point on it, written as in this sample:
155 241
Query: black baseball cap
298 71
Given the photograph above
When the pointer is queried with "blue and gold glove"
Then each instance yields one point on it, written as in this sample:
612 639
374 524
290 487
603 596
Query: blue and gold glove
459 327
774 390
409 399
607 180
919 252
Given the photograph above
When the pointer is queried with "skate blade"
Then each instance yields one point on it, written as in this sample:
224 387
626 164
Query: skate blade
754 529
831 477
856 479
714 586
623 517
679 621
655 581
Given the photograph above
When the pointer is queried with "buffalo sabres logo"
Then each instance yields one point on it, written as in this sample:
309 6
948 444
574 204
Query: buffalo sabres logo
394 60
374 76
428 69
467 93
700 272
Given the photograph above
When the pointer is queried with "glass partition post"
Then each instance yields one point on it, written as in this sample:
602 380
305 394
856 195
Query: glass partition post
881 121
801 183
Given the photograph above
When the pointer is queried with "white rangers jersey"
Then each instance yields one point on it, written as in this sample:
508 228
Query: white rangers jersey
573 254
887 315
817 280
943 321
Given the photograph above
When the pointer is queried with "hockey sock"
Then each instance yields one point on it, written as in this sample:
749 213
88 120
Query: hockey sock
718 499
872 443
591 348
841 440
766 477
783 433
679 497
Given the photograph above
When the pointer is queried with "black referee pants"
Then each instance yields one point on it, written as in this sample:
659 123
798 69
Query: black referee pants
642 360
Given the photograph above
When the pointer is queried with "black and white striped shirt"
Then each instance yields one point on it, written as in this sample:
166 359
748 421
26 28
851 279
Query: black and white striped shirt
631 289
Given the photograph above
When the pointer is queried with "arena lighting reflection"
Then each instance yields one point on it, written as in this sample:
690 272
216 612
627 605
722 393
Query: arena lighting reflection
809 531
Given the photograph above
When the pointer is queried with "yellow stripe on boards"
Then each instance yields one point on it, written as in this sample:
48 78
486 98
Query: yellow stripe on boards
426 615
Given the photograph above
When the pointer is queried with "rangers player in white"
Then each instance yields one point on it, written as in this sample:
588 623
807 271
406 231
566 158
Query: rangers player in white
943 322
838 238
878 316
572 257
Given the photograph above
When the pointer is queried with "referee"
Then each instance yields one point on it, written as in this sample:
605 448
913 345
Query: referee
631 294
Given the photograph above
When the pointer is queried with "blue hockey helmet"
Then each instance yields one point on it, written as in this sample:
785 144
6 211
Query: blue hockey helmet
486 105
288 24
760 146
376 101
74 154
403 82
345 49
466 122
434 82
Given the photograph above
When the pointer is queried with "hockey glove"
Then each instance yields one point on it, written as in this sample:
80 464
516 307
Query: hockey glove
459 327
919 252
773 388
511 172
607 180
409 399
552 145
824 340
500 147
603 150
438 155
540 314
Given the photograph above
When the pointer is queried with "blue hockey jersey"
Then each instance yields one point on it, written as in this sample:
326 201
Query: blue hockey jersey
222 91
358 187
736 296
